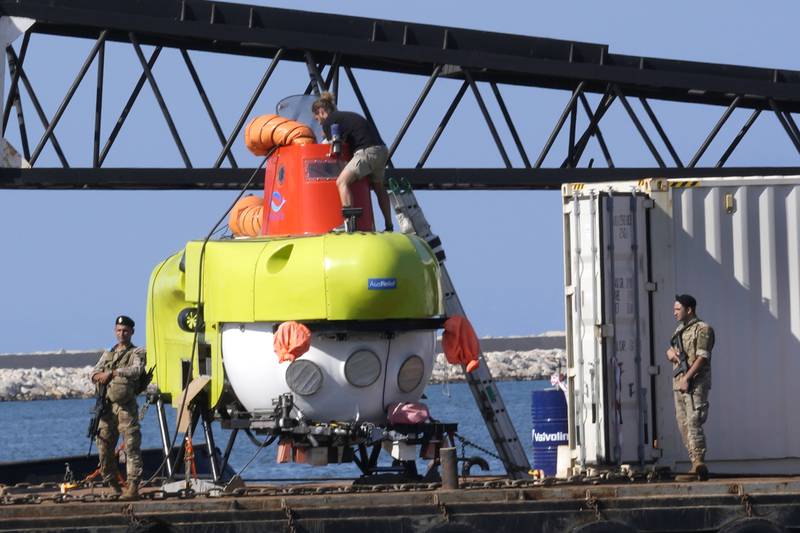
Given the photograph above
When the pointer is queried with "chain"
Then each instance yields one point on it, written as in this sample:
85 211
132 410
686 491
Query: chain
747 501
466 442
594 504
289 516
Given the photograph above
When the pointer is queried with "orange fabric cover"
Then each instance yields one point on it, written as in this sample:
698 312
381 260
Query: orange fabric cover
246 216
267 131
291 341
460 343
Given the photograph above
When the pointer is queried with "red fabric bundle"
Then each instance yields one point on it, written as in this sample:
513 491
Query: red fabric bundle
291 341
460 343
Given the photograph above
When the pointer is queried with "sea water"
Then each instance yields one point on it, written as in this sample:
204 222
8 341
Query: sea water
55 428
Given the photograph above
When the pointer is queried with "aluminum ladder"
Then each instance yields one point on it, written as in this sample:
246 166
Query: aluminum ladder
412 220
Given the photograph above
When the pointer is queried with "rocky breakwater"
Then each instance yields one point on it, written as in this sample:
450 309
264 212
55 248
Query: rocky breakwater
60 375
55 383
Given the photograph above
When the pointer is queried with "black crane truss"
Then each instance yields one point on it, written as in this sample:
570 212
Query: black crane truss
332 44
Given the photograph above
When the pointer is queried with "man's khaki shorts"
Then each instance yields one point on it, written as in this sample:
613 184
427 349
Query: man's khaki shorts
368 161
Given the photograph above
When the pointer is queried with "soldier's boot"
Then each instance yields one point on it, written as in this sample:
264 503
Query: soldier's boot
700 470
115 487
131 492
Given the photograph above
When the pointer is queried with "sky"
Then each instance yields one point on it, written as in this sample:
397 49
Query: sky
73 260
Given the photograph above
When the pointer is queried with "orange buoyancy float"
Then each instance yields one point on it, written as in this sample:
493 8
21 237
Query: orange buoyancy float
247 216
460 343
267 131
292 339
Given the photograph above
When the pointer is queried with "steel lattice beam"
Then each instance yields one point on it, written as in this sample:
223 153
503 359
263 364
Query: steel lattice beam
419 178
407 48
479 60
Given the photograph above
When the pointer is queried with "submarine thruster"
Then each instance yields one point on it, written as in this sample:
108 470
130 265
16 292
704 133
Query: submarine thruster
297 329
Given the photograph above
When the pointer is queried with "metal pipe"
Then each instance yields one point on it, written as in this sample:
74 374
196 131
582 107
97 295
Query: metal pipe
228 449
714 131
206 103
573 120
600 139
127 109
551 139
211 447
98 105
442 124
594 121
333 71
739 136
38 107
447 457
65 102
487 118
162 427
782 120
639 126
249 106
661 132
414 109
160 99
510 123
788 116
363 103
318 84
15 78
14 97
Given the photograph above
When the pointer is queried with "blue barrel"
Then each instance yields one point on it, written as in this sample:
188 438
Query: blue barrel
549 415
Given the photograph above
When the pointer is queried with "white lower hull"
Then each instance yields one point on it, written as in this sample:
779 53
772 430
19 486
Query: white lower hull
257 377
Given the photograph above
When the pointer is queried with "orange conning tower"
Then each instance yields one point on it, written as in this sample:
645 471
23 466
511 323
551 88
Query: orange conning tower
300 193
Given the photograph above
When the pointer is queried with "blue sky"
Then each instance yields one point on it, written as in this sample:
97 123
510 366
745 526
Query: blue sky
73 260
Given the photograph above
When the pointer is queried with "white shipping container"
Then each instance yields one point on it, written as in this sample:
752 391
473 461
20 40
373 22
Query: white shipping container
734 244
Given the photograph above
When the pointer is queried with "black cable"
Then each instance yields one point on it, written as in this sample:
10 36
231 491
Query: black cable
200 305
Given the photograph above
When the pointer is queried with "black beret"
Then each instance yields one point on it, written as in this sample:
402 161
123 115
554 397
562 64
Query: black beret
123 320
686 300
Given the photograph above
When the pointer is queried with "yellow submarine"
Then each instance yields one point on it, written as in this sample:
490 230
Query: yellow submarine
293 322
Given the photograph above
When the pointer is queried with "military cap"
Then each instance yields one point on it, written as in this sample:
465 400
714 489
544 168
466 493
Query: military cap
123 320
686 300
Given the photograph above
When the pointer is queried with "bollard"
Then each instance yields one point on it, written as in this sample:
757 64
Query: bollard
447 458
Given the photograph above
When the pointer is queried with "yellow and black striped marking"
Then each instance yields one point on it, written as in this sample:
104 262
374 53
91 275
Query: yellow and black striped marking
684 184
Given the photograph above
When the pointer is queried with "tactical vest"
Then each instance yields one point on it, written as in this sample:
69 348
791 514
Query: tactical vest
121 389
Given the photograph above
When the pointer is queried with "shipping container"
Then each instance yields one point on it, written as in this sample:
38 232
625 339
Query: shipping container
630 247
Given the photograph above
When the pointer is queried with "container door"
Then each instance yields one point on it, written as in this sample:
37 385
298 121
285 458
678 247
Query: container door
608 328
626 327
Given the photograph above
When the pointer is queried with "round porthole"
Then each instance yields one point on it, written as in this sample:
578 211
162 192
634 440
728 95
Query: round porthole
304 377
362 368
410 375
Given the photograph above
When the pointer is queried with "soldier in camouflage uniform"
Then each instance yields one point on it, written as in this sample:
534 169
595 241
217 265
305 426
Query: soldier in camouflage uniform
121 368
692 386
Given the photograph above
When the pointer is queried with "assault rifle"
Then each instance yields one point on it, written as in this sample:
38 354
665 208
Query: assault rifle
683 365
100 406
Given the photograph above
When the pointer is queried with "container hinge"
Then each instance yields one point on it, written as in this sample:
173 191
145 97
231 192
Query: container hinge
569 290
603 330
651 286
571 372
567 208
654 370
648 203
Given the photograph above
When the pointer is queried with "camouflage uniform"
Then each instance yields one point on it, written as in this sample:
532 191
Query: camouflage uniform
691 408
123 416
